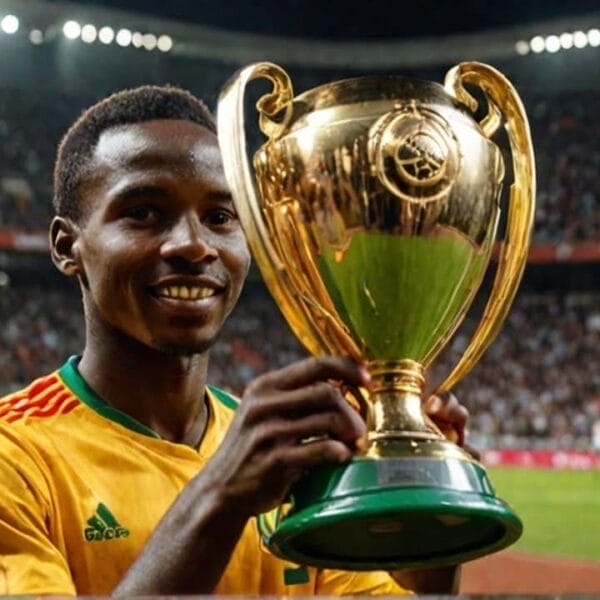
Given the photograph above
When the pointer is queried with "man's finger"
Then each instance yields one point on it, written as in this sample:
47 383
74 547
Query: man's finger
294 405
312 370
449 415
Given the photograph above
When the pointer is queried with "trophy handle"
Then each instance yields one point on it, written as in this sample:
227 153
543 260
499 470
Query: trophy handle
275 112
502 100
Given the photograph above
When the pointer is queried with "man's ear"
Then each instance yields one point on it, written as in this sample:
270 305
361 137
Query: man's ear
64 237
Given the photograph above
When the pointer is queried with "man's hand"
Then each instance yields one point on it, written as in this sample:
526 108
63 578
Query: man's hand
451 417
288 421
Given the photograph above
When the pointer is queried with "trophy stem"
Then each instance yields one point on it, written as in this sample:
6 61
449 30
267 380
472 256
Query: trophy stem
395 402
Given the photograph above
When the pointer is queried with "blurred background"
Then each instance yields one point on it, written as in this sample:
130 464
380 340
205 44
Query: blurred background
535 397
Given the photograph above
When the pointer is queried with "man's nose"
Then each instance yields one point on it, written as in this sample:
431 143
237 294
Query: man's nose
189 239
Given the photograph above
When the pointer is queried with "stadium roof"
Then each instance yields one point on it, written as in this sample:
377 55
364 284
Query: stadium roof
371 34
351 20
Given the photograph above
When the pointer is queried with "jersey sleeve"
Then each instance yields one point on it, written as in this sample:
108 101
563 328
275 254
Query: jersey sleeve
352 583
30 562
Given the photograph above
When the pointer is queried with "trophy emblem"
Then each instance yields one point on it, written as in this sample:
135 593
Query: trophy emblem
371 211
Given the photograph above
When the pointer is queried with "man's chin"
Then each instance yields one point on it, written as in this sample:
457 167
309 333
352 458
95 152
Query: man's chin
184 350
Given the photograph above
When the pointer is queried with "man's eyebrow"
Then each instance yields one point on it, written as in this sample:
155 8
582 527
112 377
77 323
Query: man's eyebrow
147 191
137 192
220 196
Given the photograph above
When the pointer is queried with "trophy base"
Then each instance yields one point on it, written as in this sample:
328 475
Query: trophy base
393 513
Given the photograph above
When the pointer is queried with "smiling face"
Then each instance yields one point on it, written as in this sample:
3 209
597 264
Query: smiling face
159 249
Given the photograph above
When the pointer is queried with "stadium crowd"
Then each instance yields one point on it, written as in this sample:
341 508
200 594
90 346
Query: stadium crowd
539 384
566 130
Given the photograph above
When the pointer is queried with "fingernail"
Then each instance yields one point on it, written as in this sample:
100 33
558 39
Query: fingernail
362 444
434 404
365 375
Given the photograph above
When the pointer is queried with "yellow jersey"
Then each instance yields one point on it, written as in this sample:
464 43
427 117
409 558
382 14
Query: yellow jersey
83 486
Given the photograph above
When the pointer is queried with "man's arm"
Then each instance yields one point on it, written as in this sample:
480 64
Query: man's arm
252 472
444 580
30 561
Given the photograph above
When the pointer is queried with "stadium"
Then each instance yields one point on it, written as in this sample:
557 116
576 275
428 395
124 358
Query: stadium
534 397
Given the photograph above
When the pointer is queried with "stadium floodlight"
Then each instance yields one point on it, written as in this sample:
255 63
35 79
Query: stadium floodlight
137 39
88 33
106 35
123 37
149 41
72 30
36 37
580 39
566 40
522 47
537 44
593 36
165 43
552 43
9 24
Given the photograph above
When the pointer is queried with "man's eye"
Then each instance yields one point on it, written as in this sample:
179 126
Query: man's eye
143 213
220 217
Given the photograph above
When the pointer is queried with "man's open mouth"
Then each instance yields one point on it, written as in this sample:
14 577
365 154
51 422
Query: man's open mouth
185 292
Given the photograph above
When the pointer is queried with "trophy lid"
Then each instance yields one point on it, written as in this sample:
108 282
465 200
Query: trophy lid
372 89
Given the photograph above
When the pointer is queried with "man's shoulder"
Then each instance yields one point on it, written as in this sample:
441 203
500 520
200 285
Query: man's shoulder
42 399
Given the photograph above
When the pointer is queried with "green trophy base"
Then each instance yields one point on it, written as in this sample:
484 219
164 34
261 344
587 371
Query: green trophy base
391 513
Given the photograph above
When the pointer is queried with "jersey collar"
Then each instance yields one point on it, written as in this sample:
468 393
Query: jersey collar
71 377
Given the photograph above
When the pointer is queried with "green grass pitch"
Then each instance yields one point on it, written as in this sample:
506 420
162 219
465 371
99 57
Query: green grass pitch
560 509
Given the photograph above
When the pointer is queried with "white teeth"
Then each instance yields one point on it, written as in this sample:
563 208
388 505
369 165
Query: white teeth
184 292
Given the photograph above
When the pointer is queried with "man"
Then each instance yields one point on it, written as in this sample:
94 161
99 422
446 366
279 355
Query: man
123 472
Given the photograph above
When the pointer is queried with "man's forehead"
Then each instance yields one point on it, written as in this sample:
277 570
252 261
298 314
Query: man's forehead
159 141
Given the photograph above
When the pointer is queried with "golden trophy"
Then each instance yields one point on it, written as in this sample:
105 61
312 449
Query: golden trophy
372 211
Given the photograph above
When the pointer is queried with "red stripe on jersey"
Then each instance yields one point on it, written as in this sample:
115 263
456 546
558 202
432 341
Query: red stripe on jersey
24 400
45 397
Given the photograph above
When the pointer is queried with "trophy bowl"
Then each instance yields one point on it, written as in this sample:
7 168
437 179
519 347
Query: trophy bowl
371 211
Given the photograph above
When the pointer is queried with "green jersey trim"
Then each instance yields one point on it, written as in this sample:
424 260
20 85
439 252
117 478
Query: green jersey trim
71 377
223 397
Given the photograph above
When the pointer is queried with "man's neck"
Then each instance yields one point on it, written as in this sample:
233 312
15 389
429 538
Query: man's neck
162 391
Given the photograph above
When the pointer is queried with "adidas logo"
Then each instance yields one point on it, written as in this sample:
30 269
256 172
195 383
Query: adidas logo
104 526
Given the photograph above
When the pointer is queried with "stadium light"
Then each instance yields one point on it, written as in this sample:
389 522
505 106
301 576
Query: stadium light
566 40
106 35
580 39
149 41
72 30
137 39
165 43
537 44
10 24
593 36
88 33
123 37
36 37
552 43
522 47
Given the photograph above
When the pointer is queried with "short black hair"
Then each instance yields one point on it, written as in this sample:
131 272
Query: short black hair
137 105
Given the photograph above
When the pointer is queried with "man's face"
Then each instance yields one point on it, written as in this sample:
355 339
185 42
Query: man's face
161 252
